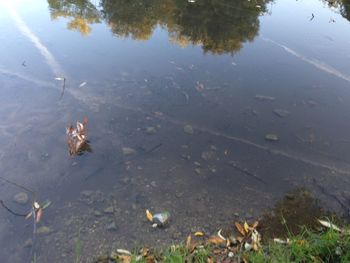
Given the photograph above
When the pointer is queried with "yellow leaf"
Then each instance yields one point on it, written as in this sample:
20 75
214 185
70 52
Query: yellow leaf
199 234
246 227
149 215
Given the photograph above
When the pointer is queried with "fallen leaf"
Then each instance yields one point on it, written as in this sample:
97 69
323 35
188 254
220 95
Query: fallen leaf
216 240
39 214
149 215
188 242
246 227
199 234
240 228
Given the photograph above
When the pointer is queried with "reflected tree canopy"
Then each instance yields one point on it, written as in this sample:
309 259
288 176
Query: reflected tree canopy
219 26
81 12
342 5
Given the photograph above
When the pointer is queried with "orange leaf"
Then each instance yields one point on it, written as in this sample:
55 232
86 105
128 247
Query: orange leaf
240 228
216 240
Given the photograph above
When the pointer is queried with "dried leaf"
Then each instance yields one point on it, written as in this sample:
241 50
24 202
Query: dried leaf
240 228
124 258
39 214
239 239
329 225
246 227
149 215
199 234
255 225
216 240
210 260
188 242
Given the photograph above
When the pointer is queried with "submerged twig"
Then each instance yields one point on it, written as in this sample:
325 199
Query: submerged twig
35 207
63 87
324 191
245 171
10 210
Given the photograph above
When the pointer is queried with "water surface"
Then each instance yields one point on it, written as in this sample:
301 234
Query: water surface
193 89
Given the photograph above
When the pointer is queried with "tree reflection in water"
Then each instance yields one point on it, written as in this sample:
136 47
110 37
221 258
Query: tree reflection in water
219 26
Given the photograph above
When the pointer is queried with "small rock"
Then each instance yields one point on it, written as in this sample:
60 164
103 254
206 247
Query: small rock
21 198
87 193
151 130
128 151
208 155
188 129
179 194
28 243
112 227
44 230
271 137
97 213
109 210
281 113
197 170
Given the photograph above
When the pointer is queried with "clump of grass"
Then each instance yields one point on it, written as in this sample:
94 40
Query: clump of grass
308 246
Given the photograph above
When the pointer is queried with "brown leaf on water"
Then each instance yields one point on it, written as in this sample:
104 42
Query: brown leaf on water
240 228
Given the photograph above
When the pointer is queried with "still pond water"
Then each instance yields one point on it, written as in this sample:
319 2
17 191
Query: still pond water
211 110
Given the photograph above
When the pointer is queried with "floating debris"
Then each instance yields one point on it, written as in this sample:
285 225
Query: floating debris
264 98
159 219
188 129
77 138
271 137
82 84
329 225
281 113
199 86
128 151
21 198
